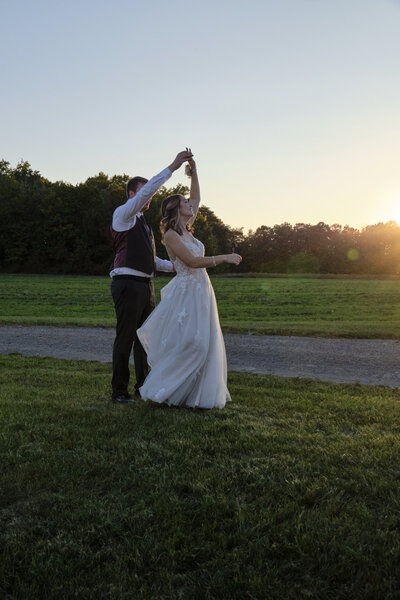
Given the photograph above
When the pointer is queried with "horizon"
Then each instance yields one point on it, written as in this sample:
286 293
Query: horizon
245 231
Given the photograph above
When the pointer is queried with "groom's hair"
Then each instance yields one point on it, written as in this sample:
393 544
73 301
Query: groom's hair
133 183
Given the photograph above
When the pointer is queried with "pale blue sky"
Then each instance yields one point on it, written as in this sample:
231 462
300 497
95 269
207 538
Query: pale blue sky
291 106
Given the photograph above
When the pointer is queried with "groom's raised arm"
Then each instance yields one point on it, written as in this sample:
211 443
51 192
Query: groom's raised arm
134 205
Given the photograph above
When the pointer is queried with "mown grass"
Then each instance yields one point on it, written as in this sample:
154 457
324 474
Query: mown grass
292 491
287 306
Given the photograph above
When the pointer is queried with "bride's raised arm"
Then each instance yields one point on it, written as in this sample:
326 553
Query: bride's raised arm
194 198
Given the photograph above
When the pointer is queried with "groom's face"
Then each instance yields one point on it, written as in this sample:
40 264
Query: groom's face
146 206
139 187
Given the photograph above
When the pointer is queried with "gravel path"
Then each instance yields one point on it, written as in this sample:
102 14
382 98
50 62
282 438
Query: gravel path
373 362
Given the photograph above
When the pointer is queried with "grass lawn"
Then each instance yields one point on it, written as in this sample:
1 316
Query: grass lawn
291 492
286 306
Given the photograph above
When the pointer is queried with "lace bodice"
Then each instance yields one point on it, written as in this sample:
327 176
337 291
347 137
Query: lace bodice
197 248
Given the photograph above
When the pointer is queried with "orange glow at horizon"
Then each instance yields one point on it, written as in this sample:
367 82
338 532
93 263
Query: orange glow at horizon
388 206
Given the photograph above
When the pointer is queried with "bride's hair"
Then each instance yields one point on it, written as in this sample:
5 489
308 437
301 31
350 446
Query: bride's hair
170 215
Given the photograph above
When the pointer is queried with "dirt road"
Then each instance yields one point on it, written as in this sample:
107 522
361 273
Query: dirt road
372 362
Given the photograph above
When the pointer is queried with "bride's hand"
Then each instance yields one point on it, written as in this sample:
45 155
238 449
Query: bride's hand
233 259
191 162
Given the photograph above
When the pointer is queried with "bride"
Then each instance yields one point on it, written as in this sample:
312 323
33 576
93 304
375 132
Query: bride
182 337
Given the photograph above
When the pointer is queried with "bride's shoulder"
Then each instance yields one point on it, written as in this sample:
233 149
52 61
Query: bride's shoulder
171 235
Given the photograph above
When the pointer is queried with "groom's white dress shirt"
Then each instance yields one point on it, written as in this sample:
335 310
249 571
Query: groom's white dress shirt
124 218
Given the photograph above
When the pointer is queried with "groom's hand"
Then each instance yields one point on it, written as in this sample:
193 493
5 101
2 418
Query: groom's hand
180 158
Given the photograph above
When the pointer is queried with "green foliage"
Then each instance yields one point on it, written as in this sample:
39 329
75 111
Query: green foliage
303 262
303 248
60 228
291 305
292 491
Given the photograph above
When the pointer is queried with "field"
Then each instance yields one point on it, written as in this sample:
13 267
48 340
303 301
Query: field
292 491
286 306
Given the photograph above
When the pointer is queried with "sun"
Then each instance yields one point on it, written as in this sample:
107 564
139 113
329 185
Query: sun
394 213
397 214
388 206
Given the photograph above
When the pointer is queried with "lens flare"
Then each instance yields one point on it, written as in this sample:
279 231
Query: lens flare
353 254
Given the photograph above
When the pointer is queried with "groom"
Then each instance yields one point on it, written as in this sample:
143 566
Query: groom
132 285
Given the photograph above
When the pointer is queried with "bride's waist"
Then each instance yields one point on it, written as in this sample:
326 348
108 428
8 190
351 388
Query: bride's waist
194 273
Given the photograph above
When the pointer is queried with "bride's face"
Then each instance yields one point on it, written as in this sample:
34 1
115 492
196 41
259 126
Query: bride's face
185 208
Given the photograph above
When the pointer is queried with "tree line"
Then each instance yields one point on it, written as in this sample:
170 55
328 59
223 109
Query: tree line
49 227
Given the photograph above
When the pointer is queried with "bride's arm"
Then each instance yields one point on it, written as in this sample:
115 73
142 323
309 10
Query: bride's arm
176 247
194 198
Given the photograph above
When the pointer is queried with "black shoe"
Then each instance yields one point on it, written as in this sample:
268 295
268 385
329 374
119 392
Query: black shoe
137 394
122 399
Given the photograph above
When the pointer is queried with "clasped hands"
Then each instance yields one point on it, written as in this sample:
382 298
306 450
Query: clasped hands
181 157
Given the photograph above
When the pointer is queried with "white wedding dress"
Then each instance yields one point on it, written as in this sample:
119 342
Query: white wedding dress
183 341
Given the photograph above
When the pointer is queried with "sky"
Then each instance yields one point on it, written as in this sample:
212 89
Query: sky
291 107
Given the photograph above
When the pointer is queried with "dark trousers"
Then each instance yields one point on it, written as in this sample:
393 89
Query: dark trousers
133 302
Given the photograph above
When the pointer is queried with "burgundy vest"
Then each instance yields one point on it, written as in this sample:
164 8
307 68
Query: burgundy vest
135 248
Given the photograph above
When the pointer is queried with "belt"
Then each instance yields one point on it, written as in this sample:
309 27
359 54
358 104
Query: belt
134 277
